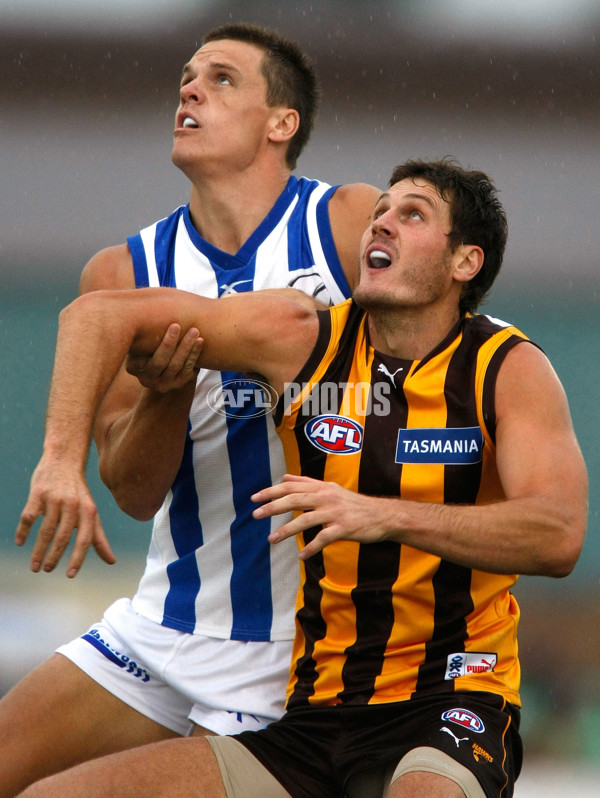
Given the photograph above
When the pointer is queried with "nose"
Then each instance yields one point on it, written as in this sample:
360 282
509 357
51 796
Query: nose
192 92
382 225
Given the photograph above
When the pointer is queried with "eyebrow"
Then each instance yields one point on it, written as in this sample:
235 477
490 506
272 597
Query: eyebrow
387 195
187 69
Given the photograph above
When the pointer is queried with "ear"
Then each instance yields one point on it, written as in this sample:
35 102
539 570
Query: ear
468 260
285 122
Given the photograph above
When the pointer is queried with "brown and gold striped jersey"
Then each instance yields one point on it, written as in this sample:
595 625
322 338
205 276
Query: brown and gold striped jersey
385 622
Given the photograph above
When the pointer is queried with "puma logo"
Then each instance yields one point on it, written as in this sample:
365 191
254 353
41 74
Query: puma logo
457 740
384 370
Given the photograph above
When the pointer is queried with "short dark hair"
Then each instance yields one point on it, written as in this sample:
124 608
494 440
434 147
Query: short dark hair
476 215
290 76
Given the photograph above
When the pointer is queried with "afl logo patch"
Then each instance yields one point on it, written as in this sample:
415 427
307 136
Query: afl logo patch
242 398
464 718
334 434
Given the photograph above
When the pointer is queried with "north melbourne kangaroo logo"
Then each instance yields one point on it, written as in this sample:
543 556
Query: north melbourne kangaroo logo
310 283
384 370
457 740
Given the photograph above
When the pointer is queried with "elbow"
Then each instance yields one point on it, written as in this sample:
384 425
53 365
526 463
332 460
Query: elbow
133 499
139 511
80 307
565 556
136 506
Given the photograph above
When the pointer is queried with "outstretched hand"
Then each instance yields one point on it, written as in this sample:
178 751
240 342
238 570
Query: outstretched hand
343 514
172 365
63 498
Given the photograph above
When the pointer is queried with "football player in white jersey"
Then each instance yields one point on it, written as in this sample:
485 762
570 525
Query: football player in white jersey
205 645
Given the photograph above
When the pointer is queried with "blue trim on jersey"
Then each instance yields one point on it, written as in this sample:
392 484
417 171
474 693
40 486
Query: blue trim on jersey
227 261
186 530
226 278
299 242
140 264
164 252
164 248
328 244
297 238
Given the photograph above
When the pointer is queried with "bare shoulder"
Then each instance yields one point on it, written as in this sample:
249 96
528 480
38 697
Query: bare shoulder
355 200
528 380
108 269
350 211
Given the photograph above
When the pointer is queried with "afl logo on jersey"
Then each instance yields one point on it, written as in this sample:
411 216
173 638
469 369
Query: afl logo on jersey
465 718
334 434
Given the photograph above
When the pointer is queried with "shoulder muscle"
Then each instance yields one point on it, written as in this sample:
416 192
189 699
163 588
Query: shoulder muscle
350 210
109 269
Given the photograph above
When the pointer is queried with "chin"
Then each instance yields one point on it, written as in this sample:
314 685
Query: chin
373 300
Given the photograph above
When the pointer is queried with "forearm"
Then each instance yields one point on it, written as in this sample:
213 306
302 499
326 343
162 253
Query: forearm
99 328
88 355
533 535
524 536
141 450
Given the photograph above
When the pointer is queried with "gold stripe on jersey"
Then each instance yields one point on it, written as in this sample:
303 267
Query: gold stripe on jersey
381 622
484 356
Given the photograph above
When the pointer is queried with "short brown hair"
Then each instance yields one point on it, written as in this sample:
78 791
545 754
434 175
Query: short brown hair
476 215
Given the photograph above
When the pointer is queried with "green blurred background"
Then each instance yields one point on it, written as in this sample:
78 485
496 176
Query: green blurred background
87 101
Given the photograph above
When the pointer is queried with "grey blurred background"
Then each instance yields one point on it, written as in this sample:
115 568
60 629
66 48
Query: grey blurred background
88 93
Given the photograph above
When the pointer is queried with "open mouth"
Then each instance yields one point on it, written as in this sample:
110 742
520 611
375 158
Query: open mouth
379 259
189 122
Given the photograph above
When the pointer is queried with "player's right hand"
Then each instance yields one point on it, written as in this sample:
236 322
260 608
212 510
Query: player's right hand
173 364
60 494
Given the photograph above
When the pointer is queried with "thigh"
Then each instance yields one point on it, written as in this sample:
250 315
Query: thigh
242 774
58 716
170 769
127 655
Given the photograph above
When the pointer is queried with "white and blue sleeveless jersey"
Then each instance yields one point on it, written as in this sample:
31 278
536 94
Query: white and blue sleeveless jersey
210 568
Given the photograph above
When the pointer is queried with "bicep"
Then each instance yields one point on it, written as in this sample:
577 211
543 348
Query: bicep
120 397
537 450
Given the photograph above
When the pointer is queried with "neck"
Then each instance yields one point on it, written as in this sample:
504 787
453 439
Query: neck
227 208
409 334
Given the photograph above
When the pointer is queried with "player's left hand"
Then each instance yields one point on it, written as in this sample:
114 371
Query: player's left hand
342 513
173 365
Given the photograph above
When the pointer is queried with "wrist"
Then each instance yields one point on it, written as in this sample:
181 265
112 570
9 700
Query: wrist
66 449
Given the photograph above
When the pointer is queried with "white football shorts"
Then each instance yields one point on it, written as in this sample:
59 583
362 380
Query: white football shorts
179 679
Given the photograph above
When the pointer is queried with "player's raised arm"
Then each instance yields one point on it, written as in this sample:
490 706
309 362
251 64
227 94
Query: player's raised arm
266 334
